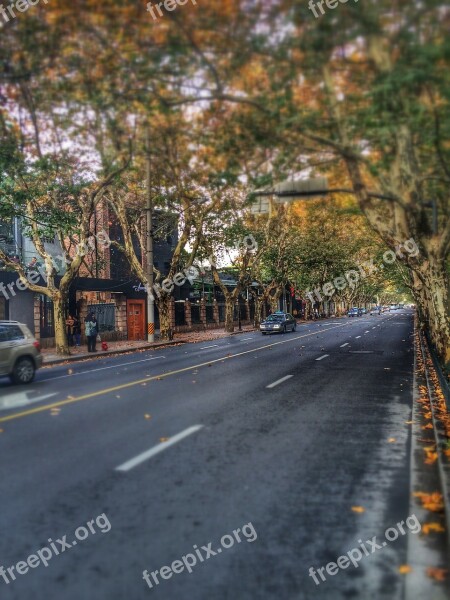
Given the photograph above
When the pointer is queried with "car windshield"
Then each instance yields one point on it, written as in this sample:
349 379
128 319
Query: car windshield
275 318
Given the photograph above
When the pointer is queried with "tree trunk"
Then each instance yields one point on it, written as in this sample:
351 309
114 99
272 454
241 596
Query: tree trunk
273 301
229 314
258 310
59 305
435 303
165 328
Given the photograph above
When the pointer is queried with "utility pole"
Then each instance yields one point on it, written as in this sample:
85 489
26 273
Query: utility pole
150 297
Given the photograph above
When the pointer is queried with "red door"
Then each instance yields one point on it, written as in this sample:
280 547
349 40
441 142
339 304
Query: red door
136 319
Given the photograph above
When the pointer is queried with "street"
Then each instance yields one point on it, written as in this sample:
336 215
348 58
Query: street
302 435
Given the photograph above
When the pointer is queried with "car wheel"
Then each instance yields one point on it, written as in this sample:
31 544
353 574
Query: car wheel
263 332
294 327
284 329
23 371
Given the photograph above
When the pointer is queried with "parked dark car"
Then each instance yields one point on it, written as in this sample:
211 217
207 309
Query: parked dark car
278 322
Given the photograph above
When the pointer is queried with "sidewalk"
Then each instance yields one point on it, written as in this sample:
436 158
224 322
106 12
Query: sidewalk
124 347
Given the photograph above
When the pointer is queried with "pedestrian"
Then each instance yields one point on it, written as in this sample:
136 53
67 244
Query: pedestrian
69 326
91 330
77 331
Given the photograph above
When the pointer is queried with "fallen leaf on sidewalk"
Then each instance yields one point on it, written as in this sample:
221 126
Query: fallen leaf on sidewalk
433 502
428 426
404 569
431 458
427 527
358 509
436 573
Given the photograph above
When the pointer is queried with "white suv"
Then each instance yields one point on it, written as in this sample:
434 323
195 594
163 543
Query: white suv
20 353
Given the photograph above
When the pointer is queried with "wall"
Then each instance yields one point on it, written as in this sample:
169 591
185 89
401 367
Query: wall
21 308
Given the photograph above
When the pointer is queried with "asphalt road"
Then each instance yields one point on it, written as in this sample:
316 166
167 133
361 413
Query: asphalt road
302 437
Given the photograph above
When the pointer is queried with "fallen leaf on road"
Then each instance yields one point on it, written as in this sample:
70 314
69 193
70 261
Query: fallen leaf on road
404 569
438 574
164 439
391 440
427 527
69 371
358 509
409 422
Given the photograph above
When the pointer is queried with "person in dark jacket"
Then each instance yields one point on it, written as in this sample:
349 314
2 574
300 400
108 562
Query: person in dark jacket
91 331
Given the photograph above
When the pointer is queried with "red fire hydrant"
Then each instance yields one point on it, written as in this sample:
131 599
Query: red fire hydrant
104 346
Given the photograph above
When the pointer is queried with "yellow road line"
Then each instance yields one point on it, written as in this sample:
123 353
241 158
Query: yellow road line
123 386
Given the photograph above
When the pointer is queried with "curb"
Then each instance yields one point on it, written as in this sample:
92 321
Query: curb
77 358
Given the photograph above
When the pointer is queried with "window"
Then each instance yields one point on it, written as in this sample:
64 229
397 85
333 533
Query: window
10 333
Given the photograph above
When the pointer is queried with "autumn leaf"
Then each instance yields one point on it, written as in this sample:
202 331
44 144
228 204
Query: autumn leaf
427 527
433 502
164 439
148 416
391 440
431 458
436 573
404 569
358 509
429 426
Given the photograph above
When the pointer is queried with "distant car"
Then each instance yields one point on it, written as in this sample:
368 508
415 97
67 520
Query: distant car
278 322
20 352
354 312
363 311
376 310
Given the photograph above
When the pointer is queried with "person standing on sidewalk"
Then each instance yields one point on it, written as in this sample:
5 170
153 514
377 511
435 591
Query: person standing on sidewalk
91 330
70 329
77 331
